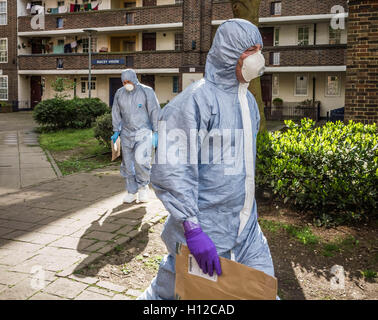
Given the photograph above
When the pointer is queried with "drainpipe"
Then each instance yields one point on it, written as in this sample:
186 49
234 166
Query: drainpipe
314 34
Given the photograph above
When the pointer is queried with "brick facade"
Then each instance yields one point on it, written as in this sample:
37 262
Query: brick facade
321 55
142 60
361 98
10 68
107 18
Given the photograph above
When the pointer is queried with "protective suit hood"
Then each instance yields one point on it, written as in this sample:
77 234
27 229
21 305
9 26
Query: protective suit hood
232 38
129 74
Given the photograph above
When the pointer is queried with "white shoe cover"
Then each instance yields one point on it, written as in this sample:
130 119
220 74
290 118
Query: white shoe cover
143 194
129 197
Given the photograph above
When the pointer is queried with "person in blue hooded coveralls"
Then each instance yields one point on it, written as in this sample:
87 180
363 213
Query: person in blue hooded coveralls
209 187
134 115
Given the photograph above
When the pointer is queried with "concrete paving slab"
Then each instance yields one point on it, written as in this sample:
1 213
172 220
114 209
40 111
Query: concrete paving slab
66 288
45 296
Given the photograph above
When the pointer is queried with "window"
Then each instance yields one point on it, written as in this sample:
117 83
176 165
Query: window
86 45
332 86
59 22
129 4
276 58
178 1
4 50
85 84
276 36
301 85
3 87
59 63
178 41
3 12
334 36
275 8
130 18
175 88
303 33
276 85
60 3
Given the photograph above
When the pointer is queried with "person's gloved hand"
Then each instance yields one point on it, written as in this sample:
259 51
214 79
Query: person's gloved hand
155 139
115 136
202 248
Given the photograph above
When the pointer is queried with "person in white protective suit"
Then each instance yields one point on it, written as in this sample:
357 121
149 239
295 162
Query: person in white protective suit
211 203
134 115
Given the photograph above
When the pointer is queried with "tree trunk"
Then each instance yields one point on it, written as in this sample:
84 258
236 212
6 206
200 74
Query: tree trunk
249 10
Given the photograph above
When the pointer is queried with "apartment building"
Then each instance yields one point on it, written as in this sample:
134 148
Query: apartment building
166 42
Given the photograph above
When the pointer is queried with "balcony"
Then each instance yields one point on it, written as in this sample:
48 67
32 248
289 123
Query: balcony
163 14
79 61
320 55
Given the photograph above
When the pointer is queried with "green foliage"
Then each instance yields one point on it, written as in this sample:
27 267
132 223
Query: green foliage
369 274
58 113
60 85
103 129
329 170
277 102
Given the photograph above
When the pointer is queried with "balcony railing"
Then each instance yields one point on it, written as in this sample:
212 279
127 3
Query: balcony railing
293 111
77 61
107 18
319 55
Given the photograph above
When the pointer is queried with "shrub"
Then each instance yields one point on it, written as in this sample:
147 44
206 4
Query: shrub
56 112
76 113
331 169
277 102
103 129
87 110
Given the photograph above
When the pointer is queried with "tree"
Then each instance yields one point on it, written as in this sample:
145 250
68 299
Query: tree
60 86
249 10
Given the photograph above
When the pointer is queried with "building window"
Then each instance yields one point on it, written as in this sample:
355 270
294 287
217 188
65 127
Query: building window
333 86
301 83
85 84
275 8
276 36
3 87
129 4
59 22
303 33
334 36
130 17
60 3
86 45
179 1
276 85
178 41
4 50
59 63
276 58
3 12
175 88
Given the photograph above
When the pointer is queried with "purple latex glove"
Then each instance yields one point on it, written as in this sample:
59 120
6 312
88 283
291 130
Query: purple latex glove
202 248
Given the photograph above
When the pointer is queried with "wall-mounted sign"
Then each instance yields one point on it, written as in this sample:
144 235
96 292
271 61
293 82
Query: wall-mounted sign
108 61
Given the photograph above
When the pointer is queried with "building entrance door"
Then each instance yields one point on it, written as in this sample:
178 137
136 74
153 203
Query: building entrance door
266 89
114 85
148 80
35 91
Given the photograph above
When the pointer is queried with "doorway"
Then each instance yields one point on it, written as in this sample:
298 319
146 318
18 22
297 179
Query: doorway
148 80
267 35
266 89
149 41
114 85
35 90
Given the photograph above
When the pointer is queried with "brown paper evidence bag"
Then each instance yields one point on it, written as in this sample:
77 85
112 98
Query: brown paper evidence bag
237 281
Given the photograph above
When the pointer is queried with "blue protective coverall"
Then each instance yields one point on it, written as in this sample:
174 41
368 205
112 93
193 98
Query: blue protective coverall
135 114
217 196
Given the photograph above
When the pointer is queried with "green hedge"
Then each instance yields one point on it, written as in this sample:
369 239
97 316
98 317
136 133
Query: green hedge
58 113
103 129
330 170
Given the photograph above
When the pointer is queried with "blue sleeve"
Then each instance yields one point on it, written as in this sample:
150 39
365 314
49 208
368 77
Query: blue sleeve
176 184
116 114
153 108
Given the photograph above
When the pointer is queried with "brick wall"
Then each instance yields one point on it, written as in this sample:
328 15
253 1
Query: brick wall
326 55
9 31
142 60
361 94
222 9
108 18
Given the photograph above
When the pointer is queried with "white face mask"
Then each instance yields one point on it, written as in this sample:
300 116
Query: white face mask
129 87
253 66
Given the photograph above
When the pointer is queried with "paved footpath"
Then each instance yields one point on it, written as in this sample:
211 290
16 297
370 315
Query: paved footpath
22 162
48 231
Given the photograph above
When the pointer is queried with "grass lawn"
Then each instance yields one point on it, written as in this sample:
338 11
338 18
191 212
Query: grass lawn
76 150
